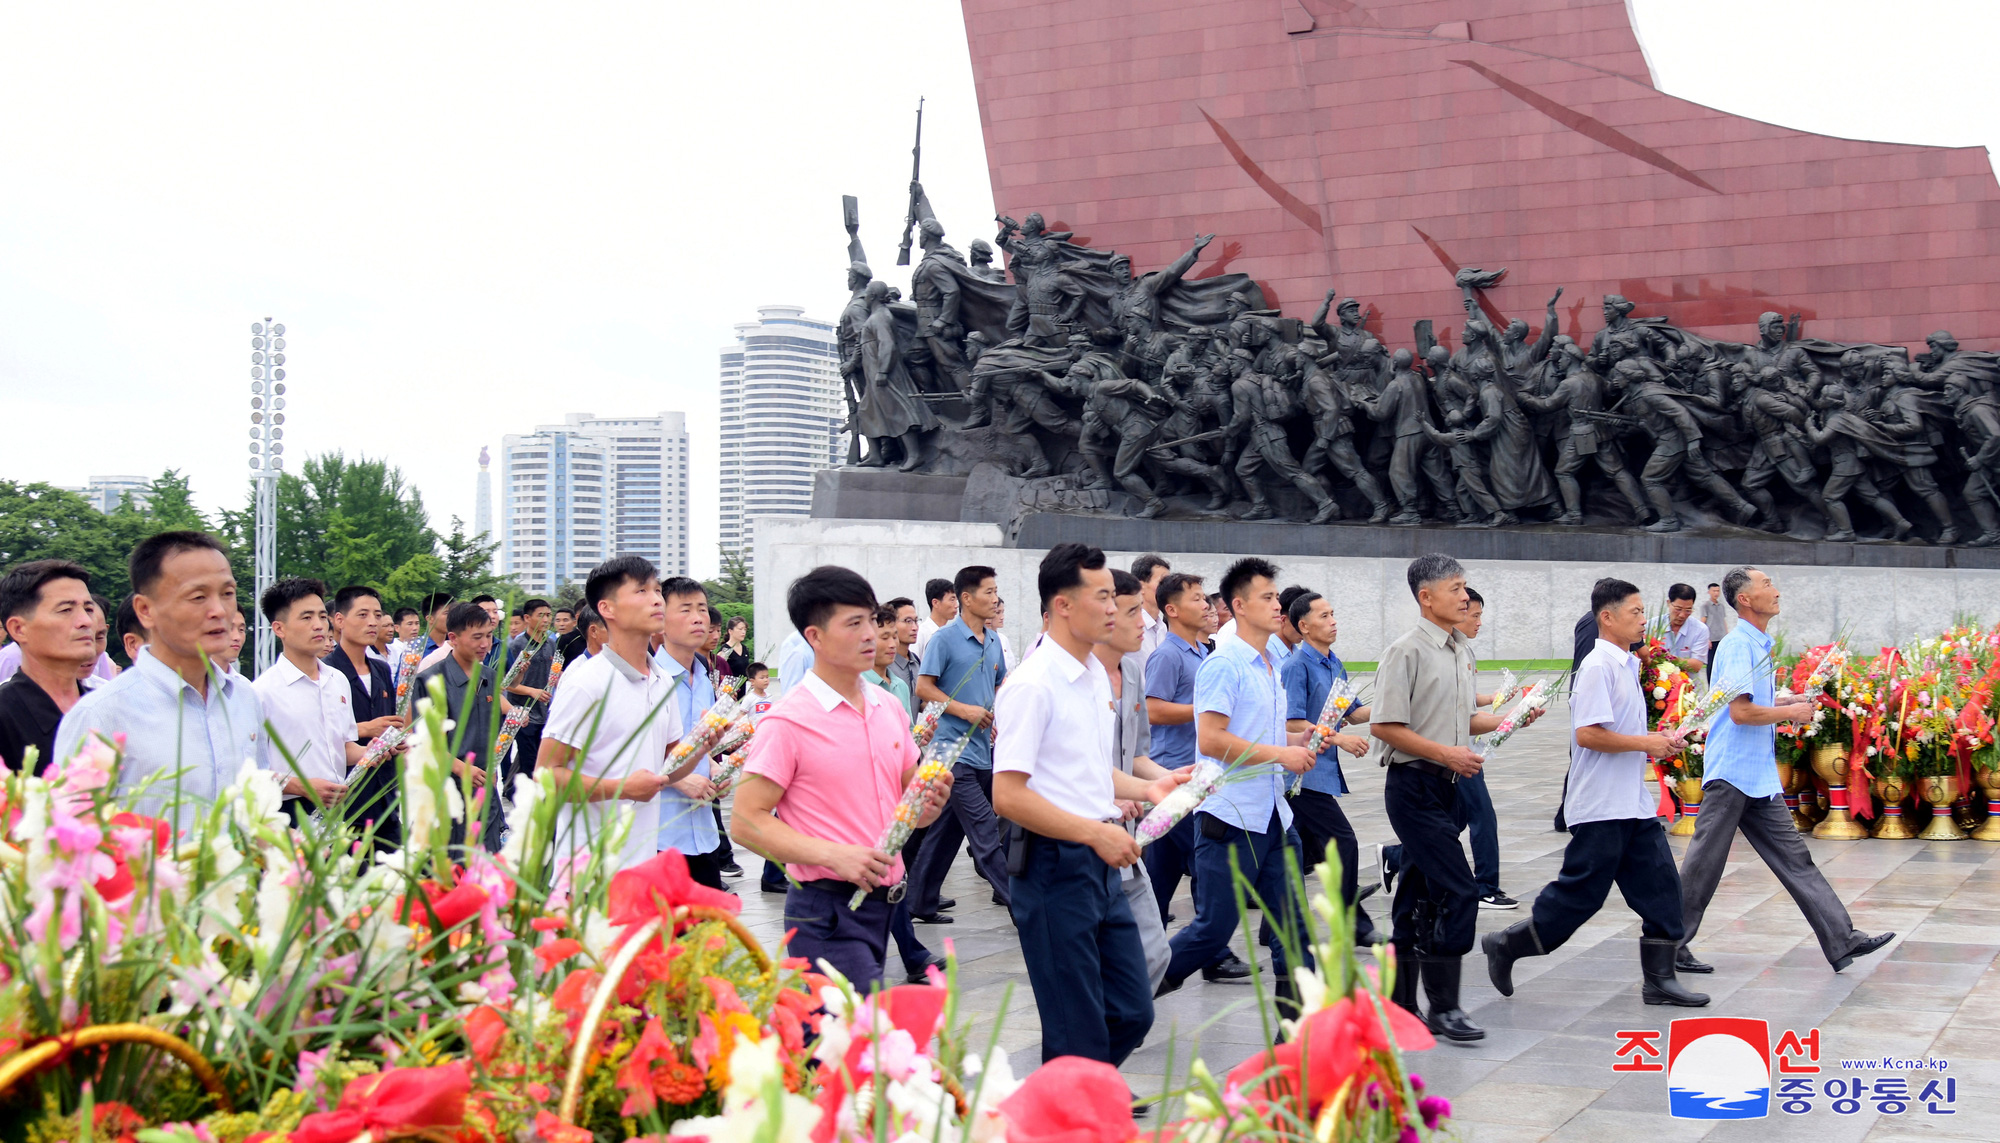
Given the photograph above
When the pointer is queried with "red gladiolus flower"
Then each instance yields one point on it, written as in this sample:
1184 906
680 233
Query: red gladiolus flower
457 906
553 1130
393 1101
484 1029
657 887
163 830
119 883
549 924
635 1078
574 993
1333 1044
1070 1100
555 952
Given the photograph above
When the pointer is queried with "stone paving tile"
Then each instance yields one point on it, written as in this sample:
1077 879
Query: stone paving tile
1544 1070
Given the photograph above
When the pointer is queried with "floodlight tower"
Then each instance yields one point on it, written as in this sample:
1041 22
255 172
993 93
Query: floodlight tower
267 434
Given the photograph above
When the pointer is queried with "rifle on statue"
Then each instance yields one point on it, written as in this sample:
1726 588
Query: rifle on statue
916 171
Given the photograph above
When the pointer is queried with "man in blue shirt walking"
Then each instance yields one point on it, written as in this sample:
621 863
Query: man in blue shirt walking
1309 673
962 668
1739 786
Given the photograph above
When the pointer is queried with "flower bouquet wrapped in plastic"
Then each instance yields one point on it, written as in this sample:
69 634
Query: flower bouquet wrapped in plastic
926 725
932 766
1510 685
726 772
1340 699
701 738
1696 707
1207 778
518 716
1533 700
737 736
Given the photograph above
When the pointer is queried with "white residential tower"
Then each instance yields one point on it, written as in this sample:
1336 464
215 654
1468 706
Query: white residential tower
781 420
574 495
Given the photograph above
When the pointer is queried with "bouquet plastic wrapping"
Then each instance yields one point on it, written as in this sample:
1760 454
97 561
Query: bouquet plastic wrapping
1187 797
518 716
1510 685
738 735
700 739
386 743
1534 698
926 725
1340 699
726 771
932 766
1698 707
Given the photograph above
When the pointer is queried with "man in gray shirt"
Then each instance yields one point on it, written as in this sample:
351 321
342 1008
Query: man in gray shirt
1716 616
1132 744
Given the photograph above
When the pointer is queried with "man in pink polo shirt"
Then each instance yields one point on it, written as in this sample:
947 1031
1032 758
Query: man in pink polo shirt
826 769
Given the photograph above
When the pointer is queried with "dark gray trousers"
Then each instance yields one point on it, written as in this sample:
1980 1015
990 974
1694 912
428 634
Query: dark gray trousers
1768 826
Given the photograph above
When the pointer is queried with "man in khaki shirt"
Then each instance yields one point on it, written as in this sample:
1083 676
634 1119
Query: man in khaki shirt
1425 712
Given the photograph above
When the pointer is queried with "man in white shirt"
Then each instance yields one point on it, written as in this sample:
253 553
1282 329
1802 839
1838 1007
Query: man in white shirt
611 724
1614 837
1054 778
795 658
943 604
306 704
1686 637
1149 570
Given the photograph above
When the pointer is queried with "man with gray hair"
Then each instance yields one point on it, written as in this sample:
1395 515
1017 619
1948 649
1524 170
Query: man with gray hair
1425 713
1740 788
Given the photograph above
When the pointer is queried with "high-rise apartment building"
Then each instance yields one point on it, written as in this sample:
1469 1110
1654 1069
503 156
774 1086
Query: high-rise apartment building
106 493
781 419
574 495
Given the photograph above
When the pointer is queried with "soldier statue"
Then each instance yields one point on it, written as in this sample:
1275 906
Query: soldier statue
1331 409
981 253
1847 438
1579 399
1403 408
1776 417
890 410
1644 395
1912 416
1257 429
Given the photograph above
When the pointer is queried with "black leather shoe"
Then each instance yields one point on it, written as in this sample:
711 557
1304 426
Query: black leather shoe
780 888
1684 962
1867 946
998 901
930 918
1231 967
1453 1024
921 973
1656 961
947 903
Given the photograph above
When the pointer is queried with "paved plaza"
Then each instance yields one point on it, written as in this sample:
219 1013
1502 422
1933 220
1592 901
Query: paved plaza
1545 1069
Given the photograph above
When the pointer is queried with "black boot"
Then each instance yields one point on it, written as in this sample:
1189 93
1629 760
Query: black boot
1405 992
1656 960
1503 948
1445 1017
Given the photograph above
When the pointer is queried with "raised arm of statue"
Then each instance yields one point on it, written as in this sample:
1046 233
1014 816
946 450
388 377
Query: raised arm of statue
1540 350
922 202
1171 276
1326 304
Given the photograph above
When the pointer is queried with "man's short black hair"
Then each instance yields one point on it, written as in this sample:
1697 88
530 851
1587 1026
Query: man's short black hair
435 602
128 623
1144 567
484 599
1171 587
757 669
103 607
1286 597
1472 596
1240 573
885 615
970 577
21 587
1610 593
152 553
280 596
569 611
1125 583
1680 591
1301 606
615 573
403 613
935 590
1063 569
343 600
1715 585
587 617
680 586
465 617
900 602
814 596
532 606
571 645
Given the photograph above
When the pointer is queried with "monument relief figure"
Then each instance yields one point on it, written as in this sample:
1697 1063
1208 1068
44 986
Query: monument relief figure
890 409
1458 396
1775 350
847 342
1136 307
1847 439
1261 406
1640 337
1331 411
1413 460
1514 458
1776 418
1914 417
981 253
1577 400
1644 395
1522 358
1976 411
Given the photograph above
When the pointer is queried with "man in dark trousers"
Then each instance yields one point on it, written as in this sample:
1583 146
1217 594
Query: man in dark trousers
1615 836
373 793
1425 713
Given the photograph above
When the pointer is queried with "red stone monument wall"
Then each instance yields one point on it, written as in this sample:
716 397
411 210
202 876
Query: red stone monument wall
1376 147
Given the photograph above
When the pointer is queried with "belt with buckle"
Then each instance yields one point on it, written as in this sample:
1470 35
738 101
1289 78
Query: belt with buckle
889 893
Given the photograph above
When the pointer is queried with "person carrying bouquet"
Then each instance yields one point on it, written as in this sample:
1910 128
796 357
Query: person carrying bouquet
1615 836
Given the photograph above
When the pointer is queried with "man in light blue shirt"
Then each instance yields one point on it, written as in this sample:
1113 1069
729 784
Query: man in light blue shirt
189 725
1310 673
962 667
1740 791
1240 707
795 658
687 820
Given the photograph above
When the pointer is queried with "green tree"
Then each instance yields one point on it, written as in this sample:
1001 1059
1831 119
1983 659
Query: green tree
39 521
468 566
170 505
343 521
733 584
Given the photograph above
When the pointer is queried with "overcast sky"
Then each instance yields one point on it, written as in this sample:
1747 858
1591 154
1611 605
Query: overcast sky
474 219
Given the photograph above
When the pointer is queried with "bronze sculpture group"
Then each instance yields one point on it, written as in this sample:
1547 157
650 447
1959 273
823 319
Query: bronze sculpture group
1166 386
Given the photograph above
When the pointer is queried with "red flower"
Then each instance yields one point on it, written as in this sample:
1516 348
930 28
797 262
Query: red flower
573 995
677 1082
1333 1044
114 1122
553 1130
555 952
393 1101
1070 1100
163 830
460 905
657 887
115 886
484 1029
636 1077
548 924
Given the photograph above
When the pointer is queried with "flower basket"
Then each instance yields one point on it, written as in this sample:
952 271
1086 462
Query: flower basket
35 1057
1892 790
1829 761
1689 792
